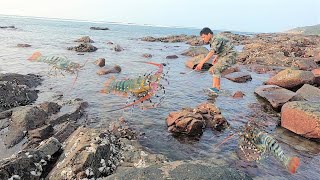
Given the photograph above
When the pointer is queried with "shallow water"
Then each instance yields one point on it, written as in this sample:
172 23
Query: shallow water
184 90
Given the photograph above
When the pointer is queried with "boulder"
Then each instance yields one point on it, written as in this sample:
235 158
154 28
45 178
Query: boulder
31 164
309 93
302 117
83 47
193 62
50 107
195 51
117 48
84 39
88 153
291 79
239 77
275 95
305 64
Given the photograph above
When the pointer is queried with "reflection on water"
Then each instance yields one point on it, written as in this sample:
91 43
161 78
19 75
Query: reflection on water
185 89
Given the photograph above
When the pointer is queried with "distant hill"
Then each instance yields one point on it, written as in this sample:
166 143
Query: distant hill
309 30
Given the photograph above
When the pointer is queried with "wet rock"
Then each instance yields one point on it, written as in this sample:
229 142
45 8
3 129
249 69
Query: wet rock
172 57
302 118
50 107
192 122
229 70
83 47
193 62
22 120
23 45
75 110
5 114
262 69
122 130
109 42
238 94
37 135
30 164
101 62
195 51
115 69
146 55
239 77
65 130
305 64
8 27
29 80
117 48
275 95
309 93
195 40
291 79
99 28
84 39
88 153
181 170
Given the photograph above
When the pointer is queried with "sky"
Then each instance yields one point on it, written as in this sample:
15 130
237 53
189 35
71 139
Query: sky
237 15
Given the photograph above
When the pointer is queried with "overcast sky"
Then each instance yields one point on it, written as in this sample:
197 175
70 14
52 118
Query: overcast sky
239 15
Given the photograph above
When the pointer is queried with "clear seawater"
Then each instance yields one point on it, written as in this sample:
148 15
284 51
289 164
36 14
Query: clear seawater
52 37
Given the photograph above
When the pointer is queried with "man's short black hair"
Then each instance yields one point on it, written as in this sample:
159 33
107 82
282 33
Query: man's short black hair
206 31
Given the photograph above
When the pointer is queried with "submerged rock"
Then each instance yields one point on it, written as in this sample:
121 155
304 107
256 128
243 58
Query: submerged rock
84 39
101 62
195 51
239 77
83 47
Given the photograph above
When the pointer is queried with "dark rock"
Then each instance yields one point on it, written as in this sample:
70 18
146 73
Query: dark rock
101 62
65 130
193 62
50 107
99 28
229 70
88 153
172 57
30 164
84 39
275 95
117 48
146 55
23 45
239 77
83 47
37 135
29 80
181 170
8 27
302 117
109 42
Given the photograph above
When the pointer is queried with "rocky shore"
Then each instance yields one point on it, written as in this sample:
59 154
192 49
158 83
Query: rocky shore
56 142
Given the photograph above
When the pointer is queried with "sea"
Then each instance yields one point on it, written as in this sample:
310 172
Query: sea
183 88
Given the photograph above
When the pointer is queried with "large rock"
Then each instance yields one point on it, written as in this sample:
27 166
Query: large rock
181 170
291 79
275 95
88 153
305 64
302 118
193 122
195 51
239 77
29 80
22 120
309 93
83 47
31 164
109 69
193 62
84 39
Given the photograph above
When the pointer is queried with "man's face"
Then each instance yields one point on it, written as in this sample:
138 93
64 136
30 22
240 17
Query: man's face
206 38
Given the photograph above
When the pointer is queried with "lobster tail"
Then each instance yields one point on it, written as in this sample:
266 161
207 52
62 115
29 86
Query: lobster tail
34 56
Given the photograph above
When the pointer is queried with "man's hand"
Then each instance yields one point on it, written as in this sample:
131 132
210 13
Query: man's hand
199 67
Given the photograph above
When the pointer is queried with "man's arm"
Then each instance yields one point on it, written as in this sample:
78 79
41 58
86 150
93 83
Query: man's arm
209 55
